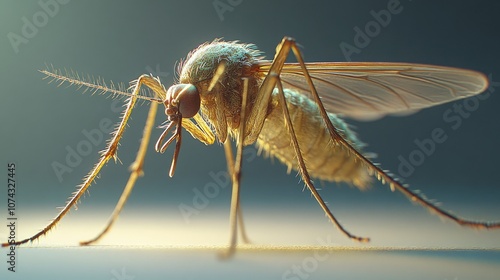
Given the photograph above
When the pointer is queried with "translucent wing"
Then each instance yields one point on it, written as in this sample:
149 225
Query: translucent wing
370 90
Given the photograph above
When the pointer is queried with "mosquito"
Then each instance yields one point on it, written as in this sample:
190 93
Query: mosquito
227 90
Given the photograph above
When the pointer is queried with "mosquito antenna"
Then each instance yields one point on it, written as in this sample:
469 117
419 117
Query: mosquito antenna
98 85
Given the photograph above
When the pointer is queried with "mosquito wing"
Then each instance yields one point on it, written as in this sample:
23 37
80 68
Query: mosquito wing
370 90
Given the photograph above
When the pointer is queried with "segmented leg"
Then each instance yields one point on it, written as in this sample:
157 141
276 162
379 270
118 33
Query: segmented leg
256 118
109 152
236 177
136 171
303 169
230 165
381 175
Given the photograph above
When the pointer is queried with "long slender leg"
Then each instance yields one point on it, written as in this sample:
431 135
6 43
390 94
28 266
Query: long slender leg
109 152
236 177
381 175
303 169
256 118
257 115
230 165
136 171
241 225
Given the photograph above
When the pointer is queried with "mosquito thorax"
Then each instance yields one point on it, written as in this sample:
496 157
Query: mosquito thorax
183 100
221 103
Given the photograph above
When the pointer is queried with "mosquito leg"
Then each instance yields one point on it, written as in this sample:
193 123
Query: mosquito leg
109 152
383 176
236 177
234 205
241 224
230 164
136 171
303 169
257 115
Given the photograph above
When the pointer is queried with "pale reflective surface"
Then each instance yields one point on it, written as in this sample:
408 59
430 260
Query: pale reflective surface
137 263
401 227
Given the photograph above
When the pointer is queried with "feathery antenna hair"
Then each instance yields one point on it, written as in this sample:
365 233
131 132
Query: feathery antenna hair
90 83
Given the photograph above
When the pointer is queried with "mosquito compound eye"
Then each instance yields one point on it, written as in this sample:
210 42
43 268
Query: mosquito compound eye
186 98
189 101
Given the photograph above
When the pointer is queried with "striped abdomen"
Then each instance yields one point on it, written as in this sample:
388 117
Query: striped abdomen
323 159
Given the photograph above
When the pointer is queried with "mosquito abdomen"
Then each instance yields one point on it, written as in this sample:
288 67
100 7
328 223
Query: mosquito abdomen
324 160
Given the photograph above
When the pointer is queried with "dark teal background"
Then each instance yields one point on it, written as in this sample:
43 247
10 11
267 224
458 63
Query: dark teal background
120 40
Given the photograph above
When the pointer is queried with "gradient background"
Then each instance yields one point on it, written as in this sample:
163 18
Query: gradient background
120 40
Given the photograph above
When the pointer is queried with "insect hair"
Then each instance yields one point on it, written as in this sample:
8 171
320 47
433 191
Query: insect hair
93 84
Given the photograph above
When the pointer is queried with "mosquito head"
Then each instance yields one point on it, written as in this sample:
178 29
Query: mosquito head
183 100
